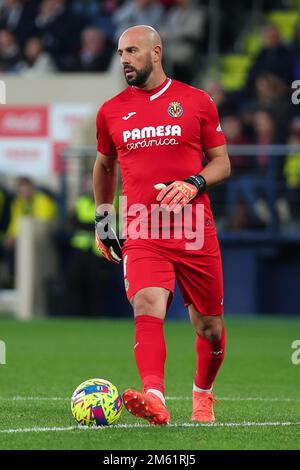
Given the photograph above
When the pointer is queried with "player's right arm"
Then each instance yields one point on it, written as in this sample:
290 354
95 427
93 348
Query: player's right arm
105 168
105 175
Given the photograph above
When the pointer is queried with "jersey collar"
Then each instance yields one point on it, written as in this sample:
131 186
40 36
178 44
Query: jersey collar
154 92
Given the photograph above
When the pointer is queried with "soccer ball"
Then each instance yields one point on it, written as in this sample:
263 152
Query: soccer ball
96 402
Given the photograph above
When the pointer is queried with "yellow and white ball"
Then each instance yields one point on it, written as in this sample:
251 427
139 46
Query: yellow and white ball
96 402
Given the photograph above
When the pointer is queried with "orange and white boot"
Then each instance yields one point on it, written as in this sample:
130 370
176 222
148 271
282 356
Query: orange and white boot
203 407
147 406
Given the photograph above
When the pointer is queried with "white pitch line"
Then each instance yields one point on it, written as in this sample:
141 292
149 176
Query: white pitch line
38 429
20 398
263 399
243 399
137 426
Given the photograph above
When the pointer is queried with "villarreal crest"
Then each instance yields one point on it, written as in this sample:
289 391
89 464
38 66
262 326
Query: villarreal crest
175 109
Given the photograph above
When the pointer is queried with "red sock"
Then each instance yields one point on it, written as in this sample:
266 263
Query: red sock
210 355
150 351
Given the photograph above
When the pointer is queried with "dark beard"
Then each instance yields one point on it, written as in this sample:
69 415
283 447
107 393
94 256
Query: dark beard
141 76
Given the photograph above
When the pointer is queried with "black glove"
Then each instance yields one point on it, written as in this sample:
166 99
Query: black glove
107 240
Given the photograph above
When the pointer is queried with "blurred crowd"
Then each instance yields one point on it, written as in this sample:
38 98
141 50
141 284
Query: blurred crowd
264 188
25 200
82 282
40 37
43 36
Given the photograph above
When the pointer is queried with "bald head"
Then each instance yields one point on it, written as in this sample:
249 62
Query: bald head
143 33
140 49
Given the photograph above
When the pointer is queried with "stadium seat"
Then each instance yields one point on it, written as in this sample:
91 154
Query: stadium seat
286 21
234 69
252 43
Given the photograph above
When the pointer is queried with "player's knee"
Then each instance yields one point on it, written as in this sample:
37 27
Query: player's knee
145 304
211 332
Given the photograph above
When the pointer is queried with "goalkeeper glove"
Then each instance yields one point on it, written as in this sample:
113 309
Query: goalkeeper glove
175 195
106 239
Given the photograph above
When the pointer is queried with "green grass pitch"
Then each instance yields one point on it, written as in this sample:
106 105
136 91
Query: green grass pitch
46 360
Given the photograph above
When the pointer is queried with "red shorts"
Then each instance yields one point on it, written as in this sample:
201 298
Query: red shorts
157 263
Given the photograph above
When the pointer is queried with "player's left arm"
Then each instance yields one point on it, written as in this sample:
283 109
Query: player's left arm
218 167
175 195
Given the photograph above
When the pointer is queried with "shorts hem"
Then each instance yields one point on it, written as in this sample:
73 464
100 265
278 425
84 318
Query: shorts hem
135 291
205 312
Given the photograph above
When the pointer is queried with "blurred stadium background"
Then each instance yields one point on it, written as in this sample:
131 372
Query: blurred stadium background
58 64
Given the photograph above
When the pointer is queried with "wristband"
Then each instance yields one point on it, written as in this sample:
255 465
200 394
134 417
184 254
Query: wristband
100 217
198 181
